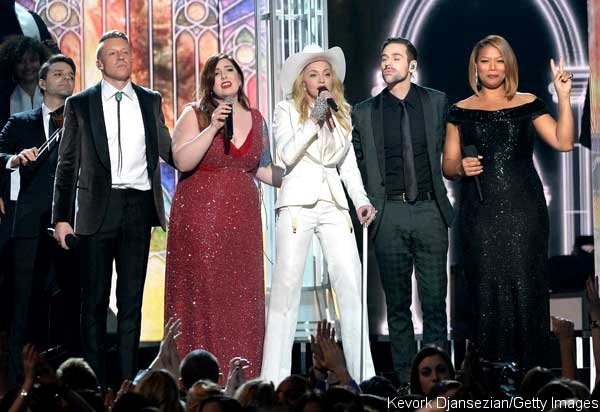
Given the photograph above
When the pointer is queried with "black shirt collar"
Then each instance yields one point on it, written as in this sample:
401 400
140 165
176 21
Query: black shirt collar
411 99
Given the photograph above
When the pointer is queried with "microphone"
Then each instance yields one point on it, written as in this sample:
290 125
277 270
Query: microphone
471 151
71 240
330 102
229 120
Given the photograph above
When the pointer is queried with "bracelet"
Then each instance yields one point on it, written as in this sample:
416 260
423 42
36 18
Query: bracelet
595 324
24 394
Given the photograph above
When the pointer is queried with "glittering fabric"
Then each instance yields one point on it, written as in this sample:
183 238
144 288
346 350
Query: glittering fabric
505 239
214 268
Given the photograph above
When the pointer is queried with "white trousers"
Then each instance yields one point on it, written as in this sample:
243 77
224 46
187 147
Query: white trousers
332 226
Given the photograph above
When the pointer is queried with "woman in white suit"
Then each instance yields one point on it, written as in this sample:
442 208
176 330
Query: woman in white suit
314 143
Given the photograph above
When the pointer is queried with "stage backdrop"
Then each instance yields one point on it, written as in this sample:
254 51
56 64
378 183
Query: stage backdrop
171 40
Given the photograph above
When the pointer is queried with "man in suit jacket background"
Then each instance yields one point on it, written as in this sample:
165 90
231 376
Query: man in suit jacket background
108 183
398 138
41 269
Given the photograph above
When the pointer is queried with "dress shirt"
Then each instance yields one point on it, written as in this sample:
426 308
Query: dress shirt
394 169
134 168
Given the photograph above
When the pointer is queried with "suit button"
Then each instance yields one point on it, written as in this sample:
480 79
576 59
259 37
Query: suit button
382 184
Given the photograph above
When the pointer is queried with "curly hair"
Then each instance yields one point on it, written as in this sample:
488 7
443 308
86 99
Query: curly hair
14 49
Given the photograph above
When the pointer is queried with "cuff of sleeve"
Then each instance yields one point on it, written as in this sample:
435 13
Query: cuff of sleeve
10 159
309 128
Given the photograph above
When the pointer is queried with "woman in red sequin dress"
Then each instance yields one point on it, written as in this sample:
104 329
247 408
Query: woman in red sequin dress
214 269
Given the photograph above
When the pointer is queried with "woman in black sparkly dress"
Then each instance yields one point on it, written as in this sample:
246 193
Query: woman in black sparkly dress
504 237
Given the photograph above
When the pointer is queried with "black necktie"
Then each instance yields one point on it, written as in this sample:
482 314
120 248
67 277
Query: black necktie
408 158
118 98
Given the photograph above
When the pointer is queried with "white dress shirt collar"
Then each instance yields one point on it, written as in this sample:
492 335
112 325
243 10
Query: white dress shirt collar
108 90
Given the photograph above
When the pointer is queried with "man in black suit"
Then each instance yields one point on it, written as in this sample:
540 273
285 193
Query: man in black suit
398 137
108 182
41 269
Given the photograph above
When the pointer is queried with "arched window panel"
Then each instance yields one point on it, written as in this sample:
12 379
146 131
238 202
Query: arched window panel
250 89
161 43
184 69
116 15
140 35
63 19
93 27
70 45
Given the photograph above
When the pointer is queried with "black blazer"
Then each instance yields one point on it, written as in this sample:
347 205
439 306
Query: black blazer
23 131
83 177
369 146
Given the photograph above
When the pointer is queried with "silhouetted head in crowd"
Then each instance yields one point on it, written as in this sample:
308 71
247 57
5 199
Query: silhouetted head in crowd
133 402
313 401
579 389
21 59
256 393
553 391
379 386
291 389
430 366
219 403
160 388
198 364
200 391
341 399
77 374
534 380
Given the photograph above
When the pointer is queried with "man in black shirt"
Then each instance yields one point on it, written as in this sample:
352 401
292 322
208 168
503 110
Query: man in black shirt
398 139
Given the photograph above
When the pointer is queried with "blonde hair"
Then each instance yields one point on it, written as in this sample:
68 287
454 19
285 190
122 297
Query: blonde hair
511 80
301 99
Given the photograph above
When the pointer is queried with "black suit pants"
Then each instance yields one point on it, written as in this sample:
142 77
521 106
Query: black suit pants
45 295
124 238
413 236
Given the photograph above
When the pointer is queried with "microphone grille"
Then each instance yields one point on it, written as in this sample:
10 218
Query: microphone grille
229 100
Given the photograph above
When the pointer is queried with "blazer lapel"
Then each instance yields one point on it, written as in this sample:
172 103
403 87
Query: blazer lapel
377 127
146 106
38 125
429 116
98 126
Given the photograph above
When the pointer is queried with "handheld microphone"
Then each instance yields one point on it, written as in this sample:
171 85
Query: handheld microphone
229 120
471 151
330 102
71 240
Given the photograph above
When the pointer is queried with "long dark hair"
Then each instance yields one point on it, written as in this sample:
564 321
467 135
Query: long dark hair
427 351
208 103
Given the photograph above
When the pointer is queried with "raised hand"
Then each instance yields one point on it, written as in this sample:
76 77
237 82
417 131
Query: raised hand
591 292
561 78
236 375
167 354
563 328
30 357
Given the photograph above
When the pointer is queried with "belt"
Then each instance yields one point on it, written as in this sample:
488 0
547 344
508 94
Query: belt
401 197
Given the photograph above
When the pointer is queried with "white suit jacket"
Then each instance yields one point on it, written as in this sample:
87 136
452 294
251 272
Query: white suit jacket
309 161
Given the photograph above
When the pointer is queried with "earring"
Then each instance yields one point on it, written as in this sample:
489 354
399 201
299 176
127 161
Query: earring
477 83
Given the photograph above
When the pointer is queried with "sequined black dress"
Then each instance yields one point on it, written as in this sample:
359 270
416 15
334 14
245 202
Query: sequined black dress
504 240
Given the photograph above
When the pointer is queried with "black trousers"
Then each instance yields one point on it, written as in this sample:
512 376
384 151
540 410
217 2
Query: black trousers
413 235
6 224
124 238
46 299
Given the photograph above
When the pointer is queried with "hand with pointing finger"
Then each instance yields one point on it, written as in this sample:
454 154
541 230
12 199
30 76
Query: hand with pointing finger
561 78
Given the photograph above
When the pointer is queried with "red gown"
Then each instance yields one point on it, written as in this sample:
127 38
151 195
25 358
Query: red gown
214 267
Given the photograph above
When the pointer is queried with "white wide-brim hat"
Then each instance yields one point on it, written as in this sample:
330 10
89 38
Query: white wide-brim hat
311 53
